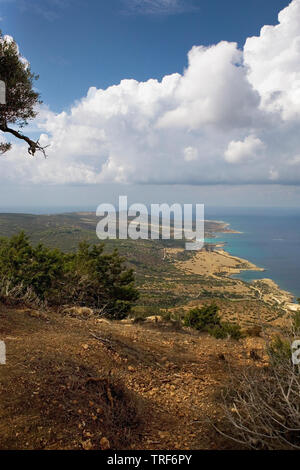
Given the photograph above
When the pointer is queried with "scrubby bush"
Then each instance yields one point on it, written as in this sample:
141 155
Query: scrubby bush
207 319
88 277
226 330
262 405
202 318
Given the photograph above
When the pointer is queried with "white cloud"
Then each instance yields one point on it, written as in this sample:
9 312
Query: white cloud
159 7
190 154
231 117
213 90
274 65
245 149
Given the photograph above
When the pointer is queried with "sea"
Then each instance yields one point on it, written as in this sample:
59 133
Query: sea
269 238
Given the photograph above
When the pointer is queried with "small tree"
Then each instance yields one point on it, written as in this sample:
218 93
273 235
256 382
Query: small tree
21 99
89 277
99 280
38 268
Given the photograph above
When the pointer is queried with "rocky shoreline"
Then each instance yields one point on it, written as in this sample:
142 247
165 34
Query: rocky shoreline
269 291
215 262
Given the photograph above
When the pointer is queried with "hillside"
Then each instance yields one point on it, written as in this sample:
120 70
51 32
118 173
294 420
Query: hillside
73 383
77 381
168 277
65 231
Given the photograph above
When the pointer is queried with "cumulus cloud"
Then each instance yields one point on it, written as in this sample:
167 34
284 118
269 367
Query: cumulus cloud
243 149
213 90
231 117
274 66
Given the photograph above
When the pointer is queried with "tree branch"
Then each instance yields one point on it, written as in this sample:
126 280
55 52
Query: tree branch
32 145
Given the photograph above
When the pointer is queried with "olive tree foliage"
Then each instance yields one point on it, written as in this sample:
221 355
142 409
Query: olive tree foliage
21 98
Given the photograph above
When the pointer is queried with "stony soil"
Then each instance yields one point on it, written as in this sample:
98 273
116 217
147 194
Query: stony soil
49 388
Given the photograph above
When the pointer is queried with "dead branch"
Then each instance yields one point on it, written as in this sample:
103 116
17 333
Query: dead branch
32 145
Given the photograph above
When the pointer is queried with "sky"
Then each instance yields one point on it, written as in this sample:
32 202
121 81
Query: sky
176 100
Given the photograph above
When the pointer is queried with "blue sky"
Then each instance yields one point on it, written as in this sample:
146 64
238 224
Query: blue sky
205 105
75 44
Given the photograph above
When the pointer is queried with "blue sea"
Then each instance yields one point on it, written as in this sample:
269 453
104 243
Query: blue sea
270 239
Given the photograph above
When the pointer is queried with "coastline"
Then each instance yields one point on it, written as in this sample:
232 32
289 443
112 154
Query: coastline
215 262
219 265
268 289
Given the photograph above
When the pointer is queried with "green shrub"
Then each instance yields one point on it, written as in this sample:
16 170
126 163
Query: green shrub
207 319
225 330
202 318
87 277
217 332
36 268
100 280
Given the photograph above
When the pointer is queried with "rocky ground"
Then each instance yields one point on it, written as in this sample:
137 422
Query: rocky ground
85 383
